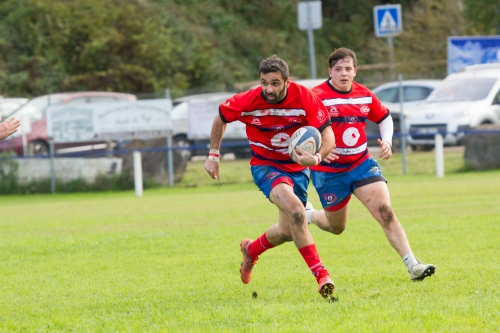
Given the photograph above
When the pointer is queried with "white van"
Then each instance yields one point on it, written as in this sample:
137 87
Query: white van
192 118
464 100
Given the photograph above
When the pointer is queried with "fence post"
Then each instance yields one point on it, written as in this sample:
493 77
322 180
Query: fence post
137 173
438 141
170 160
170 155
52 171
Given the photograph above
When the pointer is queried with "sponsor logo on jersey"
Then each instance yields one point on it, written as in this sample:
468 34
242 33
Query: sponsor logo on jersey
256 121
296 121
364 110
352 119
280 140
275 112
351 136
329 198
333 112
351 151
321 115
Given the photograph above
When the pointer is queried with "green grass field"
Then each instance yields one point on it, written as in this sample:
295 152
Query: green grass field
168 261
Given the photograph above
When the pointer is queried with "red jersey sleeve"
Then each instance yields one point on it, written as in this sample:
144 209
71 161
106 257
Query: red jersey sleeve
231 109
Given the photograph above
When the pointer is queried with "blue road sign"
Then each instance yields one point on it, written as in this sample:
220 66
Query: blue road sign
387 20
470 50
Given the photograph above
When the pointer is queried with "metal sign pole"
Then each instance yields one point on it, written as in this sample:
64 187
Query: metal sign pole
309 18
312 55
390 45
170 160
310 38
170 155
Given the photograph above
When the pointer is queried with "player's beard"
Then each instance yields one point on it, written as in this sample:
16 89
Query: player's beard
277 97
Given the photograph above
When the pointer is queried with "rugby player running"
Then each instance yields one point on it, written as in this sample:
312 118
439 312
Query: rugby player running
272 113
353 170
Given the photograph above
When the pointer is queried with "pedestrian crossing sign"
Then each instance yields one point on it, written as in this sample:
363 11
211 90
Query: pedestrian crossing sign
387 20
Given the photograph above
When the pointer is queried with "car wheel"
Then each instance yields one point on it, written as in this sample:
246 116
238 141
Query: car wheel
39 148
182 143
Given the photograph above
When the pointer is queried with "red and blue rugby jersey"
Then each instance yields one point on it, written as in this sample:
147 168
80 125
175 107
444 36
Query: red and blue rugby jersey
349 111
270 126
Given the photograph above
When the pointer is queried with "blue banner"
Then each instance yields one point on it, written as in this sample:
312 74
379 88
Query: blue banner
471 50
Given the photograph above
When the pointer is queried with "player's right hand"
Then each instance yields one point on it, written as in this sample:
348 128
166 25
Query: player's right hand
212 167
8 127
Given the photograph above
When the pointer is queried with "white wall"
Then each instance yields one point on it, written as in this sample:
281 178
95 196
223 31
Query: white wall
68 168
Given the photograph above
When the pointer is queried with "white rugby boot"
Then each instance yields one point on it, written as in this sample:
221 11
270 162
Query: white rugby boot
421 271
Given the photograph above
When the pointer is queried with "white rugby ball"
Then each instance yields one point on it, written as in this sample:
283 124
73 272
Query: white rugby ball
307 138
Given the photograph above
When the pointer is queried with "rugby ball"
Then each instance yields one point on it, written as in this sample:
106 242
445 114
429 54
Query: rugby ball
307 138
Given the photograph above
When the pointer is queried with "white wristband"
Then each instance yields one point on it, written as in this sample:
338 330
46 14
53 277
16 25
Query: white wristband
214 155
317 157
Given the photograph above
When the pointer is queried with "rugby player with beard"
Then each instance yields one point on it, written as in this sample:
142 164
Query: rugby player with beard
272 113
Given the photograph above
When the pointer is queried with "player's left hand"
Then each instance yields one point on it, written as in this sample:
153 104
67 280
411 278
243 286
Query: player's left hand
332 156
303 157
385 151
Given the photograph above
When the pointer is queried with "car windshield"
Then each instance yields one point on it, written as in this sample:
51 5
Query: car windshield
461 90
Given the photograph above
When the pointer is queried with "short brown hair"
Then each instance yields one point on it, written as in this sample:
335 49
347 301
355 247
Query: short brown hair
274 64
342 53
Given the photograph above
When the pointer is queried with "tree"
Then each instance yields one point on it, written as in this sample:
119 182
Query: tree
484 16
144 46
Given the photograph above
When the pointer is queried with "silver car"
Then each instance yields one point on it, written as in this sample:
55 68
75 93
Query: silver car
414 93
464 100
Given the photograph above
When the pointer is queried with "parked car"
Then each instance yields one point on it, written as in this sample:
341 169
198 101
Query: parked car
7 105
34 123
414 93
235 139
463 101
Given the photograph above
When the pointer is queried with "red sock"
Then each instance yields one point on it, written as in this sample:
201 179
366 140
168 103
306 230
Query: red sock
311 256
258 246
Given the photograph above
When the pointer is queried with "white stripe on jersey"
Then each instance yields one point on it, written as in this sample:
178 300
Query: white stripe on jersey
275 112
340 101
281 150
352 151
